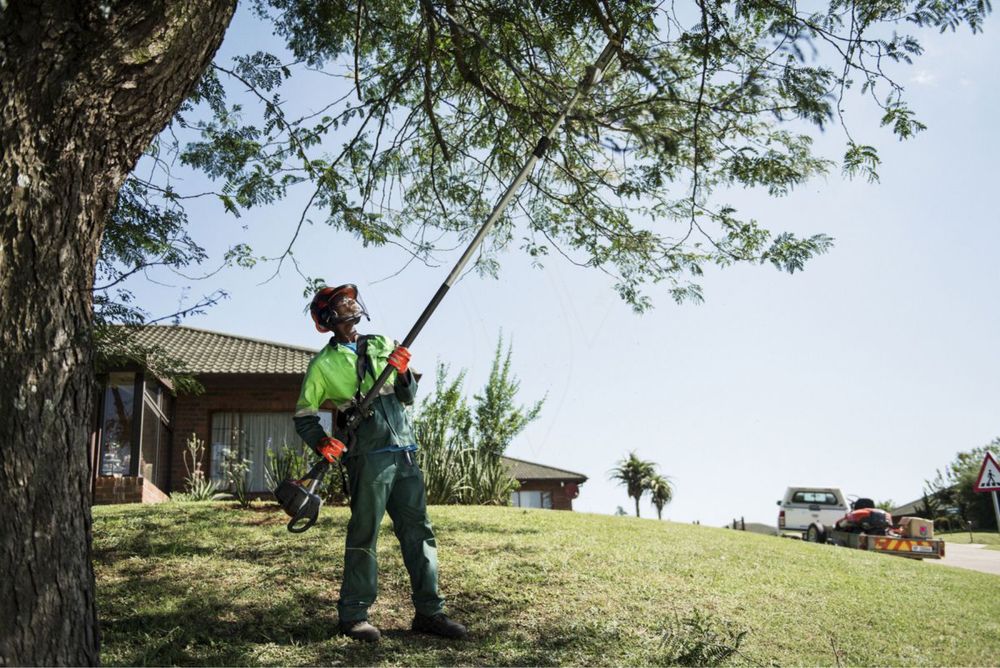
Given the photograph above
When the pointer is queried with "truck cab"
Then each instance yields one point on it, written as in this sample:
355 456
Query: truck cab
802 506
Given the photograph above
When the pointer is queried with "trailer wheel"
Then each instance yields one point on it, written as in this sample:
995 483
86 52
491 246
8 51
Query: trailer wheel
816 533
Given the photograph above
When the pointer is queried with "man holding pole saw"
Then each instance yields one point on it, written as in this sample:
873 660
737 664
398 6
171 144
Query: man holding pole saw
379 438
382 473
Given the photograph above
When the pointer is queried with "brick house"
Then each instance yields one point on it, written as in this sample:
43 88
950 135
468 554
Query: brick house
141 428
137 448
543 486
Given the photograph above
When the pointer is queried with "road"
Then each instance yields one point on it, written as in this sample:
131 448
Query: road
971 556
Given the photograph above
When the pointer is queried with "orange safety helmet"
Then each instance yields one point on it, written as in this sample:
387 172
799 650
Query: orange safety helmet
332 306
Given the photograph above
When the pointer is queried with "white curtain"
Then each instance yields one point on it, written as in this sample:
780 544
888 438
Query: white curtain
263 433
255 434
224 437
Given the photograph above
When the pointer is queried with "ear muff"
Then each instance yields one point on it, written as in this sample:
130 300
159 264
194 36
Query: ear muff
319 308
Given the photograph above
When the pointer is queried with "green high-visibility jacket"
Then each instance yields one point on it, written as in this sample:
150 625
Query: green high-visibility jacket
332 375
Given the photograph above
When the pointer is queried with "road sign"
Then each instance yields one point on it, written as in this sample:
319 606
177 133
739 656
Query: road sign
989 476
989 481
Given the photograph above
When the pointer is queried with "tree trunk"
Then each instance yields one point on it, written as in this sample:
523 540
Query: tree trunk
637 506
84 87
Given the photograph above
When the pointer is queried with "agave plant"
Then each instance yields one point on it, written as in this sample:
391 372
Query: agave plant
199 486
237 470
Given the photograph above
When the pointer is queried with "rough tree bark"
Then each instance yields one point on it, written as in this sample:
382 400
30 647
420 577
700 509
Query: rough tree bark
84 87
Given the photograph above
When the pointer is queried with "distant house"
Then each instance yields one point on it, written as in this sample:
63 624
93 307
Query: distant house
911 508
940 499
137 447
543 486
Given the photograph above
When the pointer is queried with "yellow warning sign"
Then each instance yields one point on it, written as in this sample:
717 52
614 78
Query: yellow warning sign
904 545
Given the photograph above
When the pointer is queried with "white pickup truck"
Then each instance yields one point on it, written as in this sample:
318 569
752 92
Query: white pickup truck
803 506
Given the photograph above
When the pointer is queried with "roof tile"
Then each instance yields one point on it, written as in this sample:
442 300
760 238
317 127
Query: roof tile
214 352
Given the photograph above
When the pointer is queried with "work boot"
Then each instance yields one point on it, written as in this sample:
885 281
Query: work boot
439 625
359 629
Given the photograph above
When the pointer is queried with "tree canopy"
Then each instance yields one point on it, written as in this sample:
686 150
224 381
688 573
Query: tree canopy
434 106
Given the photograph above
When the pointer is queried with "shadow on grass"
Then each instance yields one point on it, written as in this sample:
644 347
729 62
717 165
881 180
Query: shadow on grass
178 626
161 620
173 622
284 610
146 547
474 528
249 543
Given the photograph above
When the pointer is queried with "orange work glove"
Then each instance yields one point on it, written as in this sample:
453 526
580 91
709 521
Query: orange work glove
399 359
330 449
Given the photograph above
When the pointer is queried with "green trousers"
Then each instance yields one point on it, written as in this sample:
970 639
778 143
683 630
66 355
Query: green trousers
387 481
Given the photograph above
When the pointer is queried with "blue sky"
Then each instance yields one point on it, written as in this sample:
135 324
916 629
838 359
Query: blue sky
867 371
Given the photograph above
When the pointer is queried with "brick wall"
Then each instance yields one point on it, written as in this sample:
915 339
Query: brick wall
560 500
117 489
126 489
248 393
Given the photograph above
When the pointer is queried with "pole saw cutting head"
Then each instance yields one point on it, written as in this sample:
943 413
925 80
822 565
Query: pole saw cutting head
299 500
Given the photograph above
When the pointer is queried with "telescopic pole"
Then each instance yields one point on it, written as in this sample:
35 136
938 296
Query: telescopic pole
593 75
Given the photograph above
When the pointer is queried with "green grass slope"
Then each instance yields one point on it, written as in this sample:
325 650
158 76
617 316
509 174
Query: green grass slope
206 584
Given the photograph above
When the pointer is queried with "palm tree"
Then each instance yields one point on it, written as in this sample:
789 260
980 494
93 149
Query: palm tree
661 492
633 473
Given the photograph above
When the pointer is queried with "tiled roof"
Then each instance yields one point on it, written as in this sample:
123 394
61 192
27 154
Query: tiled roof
522 470
214 352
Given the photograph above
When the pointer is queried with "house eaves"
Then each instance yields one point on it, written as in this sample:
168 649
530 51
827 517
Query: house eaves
522 470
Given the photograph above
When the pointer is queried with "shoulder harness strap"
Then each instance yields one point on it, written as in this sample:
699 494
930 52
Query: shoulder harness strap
363 365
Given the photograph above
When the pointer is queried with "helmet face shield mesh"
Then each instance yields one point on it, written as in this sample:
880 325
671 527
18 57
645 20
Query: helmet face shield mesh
333 306
344 309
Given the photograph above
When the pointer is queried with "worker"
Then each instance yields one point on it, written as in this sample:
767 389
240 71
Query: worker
382 471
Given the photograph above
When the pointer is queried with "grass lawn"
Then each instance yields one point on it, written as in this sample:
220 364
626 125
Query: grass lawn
184 583
991 539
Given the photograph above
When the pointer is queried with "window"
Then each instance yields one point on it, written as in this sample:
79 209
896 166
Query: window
154 449
253 435
117 424
135 428
531 499
818 498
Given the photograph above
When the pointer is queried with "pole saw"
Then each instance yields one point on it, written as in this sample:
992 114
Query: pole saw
301 502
